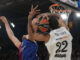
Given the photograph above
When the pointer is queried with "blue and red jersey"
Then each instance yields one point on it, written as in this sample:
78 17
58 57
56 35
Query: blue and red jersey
28 50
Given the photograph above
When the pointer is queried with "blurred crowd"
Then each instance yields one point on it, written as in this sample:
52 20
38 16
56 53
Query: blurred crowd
76 54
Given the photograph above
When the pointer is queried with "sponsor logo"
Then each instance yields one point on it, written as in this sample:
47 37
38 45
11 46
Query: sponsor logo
62 38
59 34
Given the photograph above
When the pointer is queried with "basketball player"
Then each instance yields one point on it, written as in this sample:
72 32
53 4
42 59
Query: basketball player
58 41
28 48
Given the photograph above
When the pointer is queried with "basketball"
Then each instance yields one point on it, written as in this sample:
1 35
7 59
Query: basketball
43 24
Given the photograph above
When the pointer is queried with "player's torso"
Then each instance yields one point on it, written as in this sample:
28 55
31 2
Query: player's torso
59 45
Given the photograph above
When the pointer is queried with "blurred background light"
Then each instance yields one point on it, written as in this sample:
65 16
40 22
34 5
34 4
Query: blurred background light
12 24
0 27
77 14
64 16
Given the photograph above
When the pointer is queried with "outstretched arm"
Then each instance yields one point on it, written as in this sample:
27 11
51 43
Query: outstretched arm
33 35
10 33
30 17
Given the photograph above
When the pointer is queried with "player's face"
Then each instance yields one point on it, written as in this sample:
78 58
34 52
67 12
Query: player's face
34 24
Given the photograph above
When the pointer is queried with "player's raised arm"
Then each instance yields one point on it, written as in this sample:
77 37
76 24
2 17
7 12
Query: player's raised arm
10 33
30 17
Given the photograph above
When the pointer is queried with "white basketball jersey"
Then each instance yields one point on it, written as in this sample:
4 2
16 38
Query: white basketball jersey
60 44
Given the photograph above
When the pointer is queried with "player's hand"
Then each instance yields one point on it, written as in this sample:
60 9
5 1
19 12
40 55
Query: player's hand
61 21
25 37
33 12
3 18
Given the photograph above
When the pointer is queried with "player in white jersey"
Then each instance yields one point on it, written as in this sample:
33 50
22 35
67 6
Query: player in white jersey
59 44
58 40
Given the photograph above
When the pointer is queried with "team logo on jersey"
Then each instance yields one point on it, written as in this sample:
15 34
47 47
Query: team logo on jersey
62 38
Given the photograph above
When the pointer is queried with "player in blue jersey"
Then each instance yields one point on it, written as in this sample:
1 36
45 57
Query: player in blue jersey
28 47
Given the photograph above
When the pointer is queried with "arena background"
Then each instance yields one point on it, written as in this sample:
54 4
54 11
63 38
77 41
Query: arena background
17 11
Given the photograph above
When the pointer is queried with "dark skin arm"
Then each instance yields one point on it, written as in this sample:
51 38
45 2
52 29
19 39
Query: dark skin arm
33 35
30 17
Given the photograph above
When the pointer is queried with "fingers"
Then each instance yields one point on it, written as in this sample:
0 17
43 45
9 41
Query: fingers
38 10
2 17
34 10
32 7
24 36
36 7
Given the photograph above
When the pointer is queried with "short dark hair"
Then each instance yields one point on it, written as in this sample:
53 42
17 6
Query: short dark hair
53 21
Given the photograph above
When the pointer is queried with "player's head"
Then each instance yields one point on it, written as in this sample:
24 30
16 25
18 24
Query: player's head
53 21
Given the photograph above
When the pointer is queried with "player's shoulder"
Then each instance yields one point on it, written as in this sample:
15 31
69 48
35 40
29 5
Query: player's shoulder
58 29
59 32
